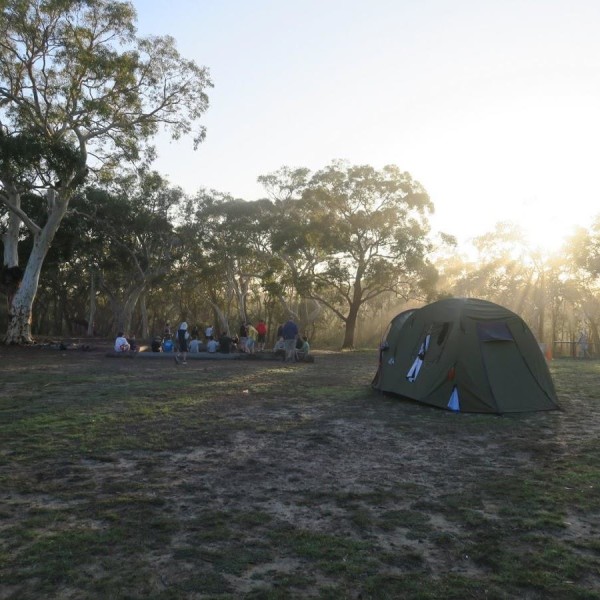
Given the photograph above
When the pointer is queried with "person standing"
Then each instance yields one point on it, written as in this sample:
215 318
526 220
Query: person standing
261 328
252 336
583 345
243 336
290 333
182 337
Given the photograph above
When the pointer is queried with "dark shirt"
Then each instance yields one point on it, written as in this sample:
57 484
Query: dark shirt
290 330
225 344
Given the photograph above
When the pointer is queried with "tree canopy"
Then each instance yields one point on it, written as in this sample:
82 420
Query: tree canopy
79 89
359 233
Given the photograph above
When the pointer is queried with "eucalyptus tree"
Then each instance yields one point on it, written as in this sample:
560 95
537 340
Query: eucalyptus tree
80 93
293 255
132 229
355 233
582 250
228 249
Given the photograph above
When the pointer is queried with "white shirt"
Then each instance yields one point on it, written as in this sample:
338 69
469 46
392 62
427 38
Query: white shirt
121 344
208 332
212 346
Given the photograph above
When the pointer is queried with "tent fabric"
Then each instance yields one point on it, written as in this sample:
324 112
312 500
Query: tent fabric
468 355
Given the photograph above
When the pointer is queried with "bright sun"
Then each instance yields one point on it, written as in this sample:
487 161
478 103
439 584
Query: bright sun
545 232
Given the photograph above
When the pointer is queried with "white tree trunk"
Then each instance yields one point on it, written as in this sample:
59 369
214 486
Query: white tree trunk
11 238
19 317
223 322
123 307
92 313
144 311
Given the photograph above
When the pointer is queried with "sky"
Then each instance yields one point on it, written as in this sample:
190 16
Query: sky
492 105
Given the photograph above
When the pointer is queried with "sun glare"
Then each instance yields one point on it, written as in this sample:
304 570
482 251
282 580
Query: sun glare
546 233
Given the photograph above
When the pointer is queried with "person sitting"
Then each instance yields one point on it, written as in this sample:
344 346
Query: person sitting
121 343
133 345
302 353
195 346
212 345
156 344
235 344
167 345
225 343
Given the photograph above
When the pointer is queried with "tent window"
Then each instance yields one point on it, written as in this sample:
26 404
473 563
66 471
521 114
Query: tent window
494 331
413 372
430 348
443 333
439 336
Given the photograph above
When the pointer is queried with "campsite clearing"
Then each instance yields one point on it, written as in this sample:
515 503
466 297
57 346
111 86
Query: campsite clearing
254 479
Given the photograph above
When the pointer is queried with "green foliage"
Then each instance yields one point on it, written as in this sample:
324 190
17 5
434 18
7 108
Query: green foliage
352 233
29 161
100 83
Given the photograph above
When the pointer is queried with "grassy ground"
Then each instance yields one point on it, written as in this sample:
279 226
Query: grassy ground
135 478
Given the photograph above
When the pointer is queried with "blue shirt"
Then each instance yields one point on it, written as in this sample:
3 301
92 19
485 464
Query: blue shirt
290 330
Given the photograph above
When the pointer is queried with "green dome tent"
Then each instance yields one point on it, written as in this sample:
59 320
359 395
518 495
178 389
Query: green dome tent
466 355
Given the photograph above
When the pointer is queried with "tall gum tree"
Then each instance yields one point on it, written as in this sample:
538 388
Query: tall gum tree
74 74
357 233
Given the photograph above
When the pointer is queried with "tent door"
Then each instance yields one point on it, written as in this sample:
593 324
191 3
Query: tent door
508 375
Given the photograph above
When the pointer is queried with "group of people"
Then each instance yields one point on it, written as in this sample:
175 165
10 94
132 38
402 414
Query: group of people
251 339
